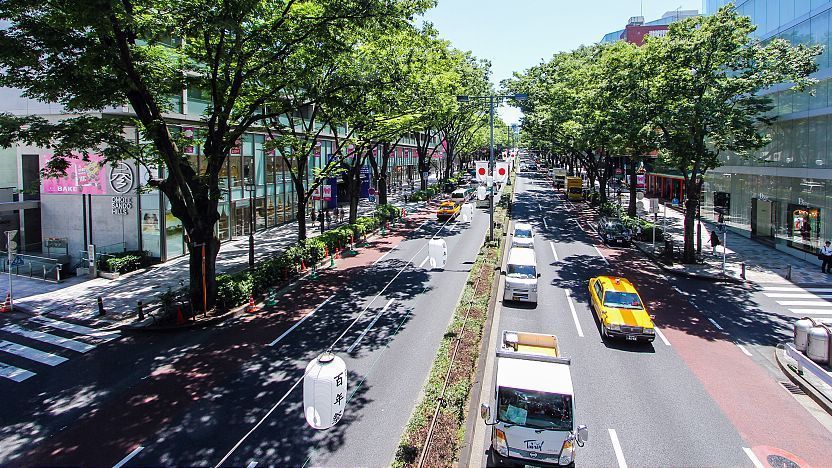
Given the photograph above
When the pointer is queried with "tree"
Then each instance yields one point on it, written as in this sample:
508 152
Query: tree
90 56
709 75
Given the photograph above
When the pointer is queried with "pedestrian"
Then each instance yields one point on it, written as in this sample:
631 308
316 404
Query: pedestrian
340 214
826 256
714 241
328 219
638 232
312 214
321 220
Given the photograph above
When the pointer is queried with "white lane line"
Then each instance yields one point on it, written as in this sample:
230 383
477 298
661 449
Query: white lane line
424 261
574 314
545 224
579 226
361 336
251 464
49 338
616 445
714 323
811 311
676 288
386 254
103 336
742 348
799 296
129 457
600 254
806 303
297 324
554 252
661 336
14 373
796 289
754 460
31 353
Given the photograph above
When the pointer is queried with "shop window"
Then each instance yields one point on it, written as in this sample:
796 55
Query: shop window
804 227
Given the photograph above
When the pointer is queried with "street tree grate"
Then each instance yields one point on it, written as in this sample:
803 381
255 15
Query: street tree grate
792 388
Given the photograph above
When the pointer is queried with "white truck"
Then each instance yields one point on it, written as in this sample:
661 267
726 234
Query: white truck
531 413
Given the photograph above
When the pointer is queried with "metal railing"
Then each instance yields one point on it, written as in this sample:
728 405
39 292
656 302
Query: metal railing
32 266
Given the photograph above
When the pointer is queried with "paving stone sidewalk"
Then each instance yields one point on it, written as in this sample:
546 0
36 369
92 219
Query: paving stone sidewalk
763 263
76 297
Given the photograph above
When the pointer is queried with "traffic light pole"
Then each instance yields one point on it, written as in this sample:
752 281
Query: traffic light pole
491 167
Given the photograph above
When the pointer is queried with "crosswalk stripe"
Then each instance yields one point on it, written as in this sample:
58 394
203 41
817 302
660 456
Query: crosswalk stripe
806 303
14 373
799 295
48 338
31 353
80 329
811 311
796 289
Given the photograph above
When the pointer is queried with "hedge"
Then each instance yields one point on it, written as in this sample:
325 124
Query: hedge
123 262
631 222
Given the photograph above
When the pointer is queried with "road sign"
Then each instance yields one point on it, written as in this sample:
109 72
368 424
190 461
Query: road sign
372 198
18 260
12 245
372 191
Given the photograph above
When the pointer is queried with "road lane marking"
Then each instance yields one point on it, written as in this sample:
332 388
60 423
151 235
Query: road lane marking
31 353
251 464
600 254
49 338
742 348
297 324
806 303
799 296
358 340
579 226
616 445
424 261
14 373
661 336
103 336
129 457
754 459
546 225
386 254
554 252
574 314
811 311
796 289
714 323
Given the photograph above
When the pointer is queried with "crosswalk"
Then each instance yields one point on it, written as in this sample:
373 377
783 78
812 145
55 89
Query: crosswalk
802 301
36 343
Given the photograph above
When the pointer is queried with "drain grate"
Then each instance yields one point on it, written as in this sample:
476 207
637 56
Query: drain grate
792 388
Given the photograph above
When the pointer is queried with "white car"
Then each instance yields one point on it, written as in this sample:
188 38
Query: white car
523 236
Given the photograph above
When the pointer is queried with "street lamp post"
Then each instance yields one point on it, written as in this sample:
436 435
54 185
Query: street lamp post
251 188
492 98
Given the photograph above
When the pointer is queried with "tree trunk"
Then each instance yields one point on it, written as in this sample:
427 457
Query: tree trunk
423 169
354 187
301 213
211 248
382 190
631 208
691 203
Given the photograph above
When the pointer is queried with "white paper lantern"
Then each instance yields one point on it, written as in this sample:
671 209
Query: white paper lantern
467 212
481 193
325 391
437 252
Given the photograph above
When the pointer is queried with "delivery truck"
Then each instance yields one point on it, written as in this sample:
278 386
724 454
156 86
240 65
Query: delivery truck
574 188
531 409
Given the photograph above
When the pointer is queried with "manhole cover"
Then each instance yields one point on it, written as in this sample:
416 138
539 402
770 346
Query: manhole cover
777 461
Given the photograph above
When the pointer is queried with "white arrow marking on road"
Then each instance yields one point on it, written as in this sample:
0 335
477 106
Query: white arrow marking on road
554 252
754 459
661 336
741 347
574 314
129 457
276 340
616 445
31 353
544 222
251 464
14 373
51 339
358 340
811 311
806 303
714 323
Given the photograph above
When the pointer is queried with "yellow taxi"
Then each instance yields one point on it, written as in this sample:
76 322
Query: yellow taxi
620 309
448 209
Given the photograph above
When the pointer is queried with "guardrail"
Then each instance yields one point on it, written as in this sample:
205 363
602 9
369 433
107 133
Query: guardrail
42 268
811 366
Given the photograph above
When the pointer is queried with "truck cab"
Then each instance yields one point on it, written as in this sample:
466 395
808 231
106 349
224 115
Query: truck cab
531 412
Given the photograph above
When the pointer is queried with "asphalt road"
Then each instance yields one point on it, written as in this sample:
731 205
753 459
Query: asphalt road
691 398
193 398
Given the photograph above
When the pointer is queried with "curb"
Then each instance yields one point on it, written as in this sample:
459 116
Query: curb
712 278
822 400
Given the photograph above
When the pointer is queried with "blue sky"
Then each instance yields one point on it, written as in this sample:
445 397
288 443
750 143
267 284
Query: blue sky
517 34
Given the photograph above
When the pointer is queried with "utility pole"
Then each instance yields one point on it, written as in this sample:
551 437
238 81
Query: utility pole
491 168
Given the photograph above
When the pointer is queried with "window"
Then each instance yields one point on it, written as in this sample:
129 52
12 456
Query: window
534 409
623 300
521 271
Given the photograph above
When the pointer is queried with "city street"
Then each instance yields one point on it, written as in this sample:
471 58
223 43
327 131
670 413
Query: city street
193 398
705 393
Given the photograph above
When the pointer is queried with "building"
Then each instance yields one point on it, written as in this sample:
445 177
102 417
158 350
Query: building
114 209
636 29
782 194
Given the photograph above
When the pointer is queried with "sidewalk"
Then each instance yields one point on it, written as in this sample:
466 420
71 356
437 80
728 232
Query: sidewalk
763 264
76 297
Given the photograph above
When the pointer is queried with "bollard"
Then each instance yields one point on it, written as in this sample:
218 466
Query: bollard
101 311
140 310
742 273
789 272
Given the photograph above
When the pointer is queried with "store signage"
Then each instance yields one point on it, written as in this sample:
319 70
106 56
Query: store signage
122 205
121 178
189 133
237 148
82 177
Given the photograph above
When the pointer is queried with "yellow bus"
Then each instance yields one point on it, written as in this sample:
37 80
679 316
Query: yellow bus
574 188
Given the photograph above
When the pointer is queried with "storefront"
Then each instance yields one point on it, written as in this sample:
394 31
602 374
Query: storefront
665 186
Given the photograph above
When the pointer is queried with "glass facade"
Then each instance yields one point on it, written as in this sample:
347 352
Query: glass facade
782 194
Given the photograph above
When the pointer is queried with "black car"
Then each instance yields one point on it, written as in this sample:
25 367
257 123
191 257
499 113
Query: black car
449 187
612 231
532 167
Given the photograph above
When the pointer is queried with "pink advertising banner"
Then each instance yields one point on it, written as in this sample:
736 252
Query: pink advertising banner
82 177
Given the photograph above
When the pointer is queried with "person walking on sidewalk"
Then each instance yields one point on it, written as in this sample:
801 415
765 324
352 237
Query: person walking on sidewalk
714 241
328 219
826 256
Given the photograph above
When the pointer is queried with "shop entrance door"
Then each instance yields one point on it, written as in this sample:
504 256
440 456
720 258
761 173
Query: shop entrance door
762 215
241 220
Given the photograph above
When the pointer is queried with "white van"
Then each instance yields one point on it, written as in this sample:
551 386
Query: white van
523 236
521 275
460 195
